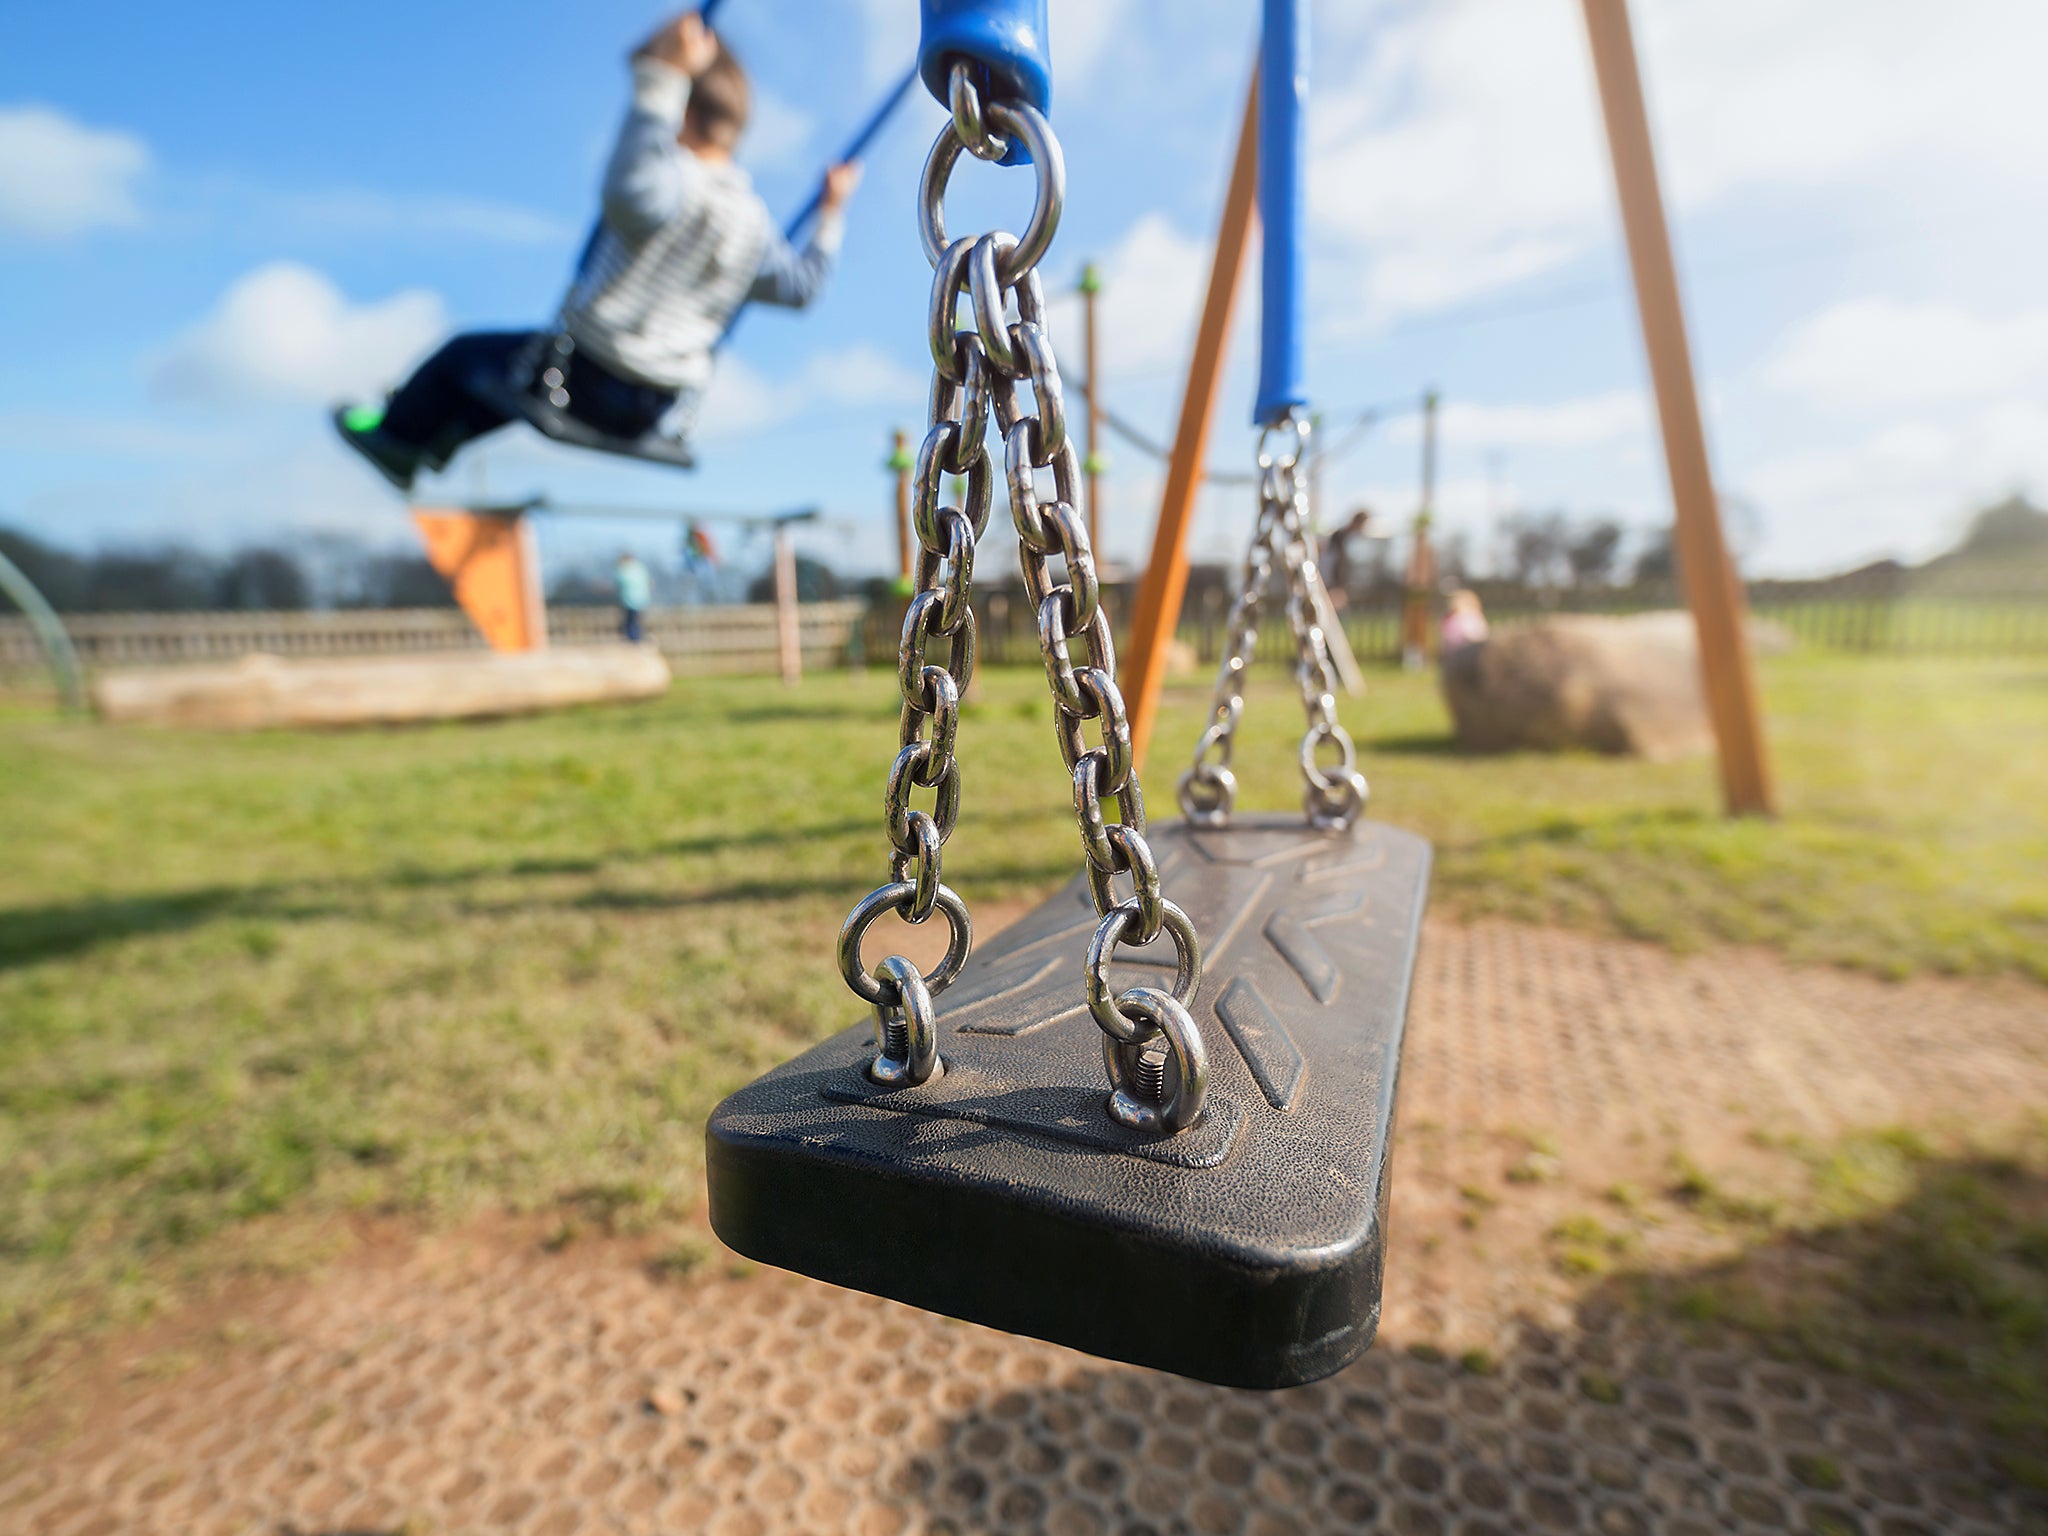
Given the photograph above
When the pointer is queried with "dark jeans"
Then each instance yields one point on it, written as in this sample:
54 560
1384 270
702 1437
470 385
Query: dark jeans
437 411
629 625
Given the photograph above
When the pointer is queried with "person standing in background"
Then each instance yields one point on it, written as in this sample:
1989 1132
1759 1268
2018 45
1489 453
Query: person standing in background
634 591
1465 624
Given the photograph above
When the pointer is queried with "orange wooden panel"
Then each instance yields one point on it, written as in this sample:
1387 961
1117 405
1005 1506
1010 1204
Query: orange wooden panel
493 565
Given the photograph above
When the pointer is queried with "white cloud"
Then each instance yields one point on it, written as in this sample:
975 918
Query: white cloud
1466 156
890 30
105 437
1588 421
1152 284
743 401
1866 91
1879 352
777 132
1464 151
60 177
1080 30
285 333
1899 490
385 213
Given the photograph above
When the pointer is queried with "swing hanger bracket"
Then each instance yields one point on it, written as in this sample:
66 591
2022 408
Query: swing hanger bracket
1004 45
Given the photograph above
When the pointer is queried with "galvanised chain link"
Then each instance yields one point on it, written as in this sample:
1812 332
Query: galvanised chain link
1334 795
1152 1050
1208 789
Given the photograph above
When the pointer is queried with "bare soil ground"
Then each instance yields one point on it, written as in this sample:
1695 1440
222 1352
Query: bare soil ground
1574 1110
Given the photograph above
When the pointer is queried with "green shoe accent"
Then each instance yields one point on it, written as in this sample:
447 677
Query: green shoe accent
363 418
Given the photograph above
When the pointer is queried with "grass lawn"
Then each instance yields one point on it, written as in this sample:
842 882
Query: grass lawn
248 980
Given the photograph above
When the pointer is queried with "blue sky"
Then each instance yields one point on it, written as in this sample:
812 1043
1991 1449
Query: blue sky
215 219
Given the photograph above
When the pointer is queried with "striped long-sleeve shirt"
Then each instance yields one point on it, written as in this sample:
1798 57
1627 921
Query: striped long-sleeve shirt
682 244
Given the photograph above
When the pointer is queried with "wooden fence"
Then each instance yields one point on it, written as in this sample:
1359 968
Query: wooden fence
739 638
1994 624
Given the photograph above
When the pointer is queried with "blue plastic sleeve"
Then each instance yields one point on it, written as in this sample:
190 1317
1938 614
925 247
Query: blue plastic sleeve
1283 94
1006 39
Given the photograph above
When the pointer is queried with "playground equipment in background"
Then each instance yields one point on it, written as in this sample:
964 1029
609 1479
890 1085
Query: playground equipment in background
56 644
262 692
488 553
491 562
490 558
1213 1210
1712 588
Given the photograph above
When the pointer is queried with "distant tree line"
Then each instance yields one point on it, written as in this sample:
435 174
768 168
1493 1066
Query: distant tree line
1549 550
1555 552
175 578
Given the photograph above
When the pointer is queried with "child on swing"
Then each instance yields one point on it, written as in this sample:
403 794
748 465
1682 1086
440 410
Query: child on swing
684 241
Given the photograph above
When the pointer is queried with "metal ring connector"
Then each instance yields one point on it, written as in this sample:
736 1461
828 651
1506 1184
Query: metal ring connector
1150 1092
896 896
1283 443
906 1031
965 101
1208 794
1335 808
1048 165
1102 999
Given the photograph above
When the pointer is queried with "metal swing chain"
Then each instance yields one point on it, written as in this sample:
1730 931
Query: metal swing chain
1208 789
1153 1052
1333 796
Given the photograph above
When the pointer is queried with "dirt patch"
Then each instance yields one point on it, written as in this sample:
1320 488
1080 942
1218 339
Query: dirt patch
1574 1113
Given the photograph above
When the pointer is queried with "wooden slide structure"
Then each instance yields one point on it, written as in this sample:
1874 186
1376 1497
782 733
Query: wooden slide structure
491 561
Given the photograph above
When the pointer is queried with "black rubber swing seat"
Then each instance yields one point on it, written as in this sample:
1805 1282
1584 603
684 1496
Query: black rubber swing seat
1247 1250
550 420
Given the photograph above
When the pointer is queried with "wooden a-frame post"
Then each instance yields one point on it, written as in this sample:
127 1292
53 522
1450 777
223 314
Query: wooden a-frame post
1166 573
1091 291
901 463
1711 587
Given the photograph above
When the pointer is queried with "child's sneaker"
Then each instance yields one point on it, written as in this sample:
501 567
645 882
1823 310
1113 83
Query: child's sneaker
362 428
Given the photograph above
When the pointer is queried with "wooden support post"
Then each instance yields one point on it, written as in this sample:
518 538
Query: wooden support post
901 461
1430 401
788 637
1420 582
1711 586
1091 286
1166 572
